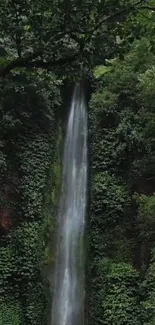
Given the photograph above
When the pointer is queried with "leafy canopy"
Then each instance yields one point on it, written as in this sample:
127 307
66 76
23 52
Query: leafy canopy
50 33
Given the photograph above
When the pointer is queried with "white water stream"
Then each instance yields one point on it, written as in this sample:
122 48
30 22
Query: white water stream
68 298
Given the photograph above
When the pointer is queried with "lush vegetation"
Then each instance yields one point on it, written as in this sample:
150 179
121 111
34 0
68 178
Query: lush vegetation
42 44
73 34
122 200
29 132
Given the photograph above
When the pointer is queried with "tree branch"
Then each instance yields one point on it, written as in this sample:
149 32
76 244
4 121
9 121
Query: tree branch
17 34
147 8
19 62
134 7
50 63
29 62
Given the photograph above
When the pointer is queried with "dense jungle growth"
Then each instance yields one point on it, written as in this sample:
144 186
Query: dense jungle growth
44 46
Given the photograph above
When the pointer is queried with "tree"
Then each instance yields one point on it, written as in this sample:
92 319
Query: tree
45 34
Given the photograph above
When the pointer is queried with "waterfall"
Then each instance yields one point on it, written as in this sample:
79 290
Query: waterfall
68 298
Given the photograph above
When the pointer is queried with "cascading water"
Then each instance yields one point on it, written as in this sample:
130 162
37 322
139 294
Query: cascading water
68 299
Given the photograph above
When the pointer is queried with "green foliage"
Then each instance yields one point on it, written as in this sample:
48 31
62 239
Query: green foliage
35 160
121 208
51 200
28 241
116 300
74 34
29 125
7 268
148 290
119 294
146 215
109 196
10 313
101 70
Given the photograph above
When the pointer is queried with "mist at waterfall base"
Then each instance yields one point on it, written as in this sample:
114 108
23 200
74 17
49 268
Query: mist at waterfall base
68 297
